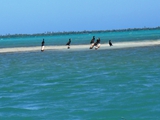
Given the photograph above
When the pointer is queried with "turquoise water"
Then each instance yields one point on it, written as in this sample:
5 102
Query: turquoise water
122 84
121 36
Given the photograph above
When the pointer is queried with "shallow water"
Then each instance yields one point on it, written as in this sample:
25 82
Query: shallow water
78 39
104 84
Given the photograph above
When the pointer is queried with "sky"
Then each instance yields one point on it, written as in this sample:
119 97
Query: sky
39 16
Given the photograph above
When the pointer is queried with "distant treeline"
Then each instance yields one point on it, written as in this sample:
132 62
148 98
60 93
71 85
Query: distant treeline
75 32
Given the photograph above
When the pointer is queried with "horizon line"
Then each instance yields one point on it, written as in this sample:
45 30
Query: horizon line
77 32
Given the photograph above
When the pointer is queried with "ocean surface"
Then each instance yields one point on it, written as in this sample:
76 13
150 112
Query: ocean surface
111 84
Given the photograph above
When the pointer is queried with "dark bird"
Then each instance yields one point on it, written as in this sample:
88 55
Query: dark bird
97 44
42 45
68 43
92 42
110 43
43 42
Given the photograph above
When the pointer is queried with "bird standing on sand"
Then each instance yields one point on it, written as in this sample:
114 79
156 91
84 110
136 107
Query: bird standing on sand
97 44
69 42
92 42
42 46
110 43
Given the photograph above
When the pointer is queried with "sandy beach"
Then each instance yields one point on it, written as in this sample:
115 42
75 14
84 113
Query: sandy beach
116 45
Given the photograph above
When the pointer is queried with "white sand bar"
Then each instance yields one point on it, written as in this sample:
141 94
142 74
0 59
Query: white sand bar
117 45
